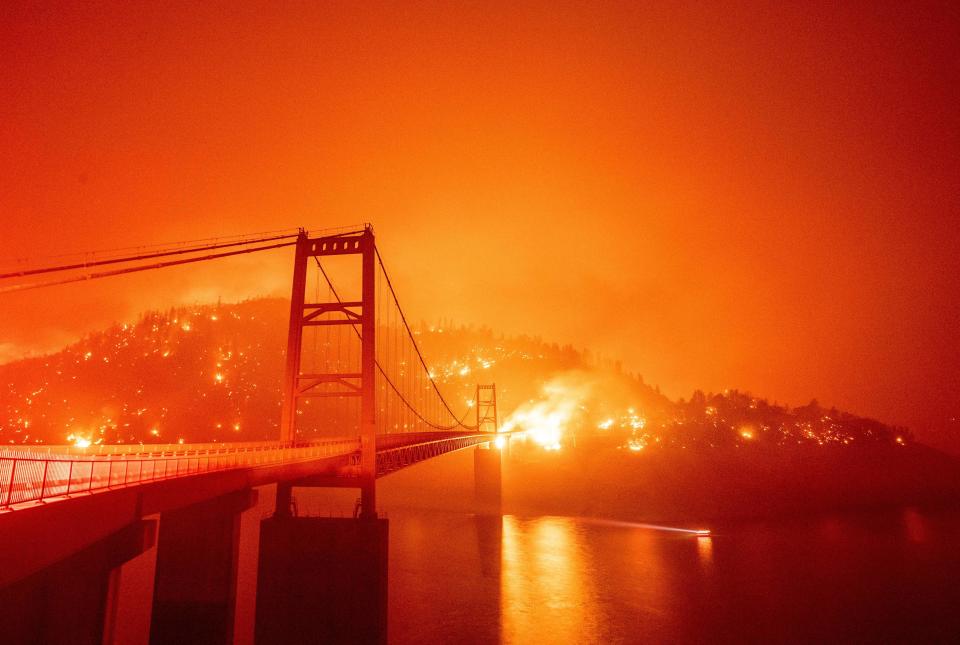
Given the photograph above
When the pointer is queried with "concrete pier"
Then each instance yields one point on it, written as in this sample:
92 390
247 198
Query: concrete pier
73 601
322 580
194 593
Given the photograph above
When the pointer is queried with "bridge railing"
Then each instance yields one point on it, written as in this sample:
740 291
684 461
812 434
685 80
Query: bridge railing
37 477
108 450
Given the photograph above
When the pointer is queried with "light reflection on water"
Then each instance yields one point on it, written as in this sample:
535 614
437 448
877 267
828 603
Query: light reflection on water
705 551
462 578
546 576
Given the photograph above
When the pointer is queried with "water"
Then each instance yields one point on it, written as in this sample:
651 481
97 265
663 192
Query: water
880 577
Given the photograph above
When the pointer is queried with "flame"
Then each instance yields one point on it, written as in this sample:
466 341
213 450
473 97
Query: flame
79 441
545 421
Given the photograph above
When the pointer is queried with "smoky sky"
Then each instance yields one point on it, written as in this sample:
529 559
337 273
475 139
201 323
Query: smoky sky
756 196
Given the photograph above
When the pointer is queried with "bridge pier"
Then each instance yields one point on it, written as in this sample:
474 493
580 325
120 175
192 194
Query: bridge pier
73 601
487 479
196 571
322 580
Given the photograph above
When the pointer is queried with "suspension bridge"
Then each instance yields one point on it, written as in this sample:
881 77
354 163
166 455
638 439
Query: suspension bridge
359 402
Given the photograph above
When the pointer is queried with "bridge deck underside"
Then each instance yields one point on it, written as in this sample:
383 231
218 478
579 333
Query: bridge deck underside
393 459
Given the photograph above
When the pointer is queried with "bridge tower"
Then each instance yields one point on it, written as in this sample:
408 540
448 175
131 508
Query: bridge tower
297 385
488 458
486 401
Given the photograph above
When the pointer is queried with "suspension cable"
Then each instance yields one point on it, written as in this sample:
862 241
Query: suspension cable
144 256
459 422
410 335
135 269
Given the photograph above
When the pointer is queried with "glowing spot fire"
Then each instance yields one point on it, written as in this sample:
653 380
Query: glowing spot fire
78 441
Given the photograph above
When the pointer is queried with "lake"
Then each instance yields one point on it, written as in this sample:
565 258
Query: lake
869 577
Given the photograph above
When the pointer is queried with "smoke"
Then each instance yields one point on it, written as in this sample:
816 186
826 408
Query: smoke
546 420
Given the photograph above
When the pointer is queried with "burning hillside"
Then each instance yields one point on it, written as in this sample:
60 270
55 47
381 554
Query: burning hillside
212 373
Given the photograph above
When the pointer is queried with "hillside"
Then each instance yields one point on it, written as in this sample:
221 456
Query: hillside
212 373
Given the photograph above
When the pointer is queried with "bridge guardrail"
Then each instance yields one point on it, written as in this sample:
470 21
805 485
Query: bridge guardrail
112 450
29 478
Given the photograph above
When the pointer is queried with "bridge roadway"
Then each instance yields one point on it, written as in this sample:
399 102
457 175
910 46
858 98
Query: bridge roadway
57 500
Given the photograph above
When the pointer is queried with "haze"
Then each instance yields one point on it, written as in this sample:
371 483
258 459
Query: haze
761 197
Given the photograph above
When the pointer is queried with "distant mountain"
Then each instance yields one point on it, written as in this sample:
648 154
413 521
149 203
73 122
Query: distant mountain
212 373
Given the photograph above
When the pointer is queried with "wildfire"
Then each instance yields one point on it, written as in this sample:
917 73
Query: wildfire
545 421
541 423
79 441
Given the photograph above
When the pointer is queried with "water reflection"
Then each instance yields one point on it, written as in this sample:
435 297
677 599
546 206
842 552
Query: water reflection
914 525
586 580
489 529
872 577
546 580
705 551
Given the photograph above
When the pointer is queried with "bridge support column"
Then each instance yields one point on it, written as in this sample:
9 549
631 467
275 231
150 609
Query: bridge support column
73 600
322 580
487 480
196 572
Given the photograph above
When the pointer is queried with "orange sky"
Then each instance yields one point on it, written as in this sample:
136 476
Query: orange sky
753 196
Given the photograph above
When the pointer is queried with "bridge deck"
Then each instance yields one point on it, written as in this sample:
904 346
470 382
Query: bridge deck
60 502
61 472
